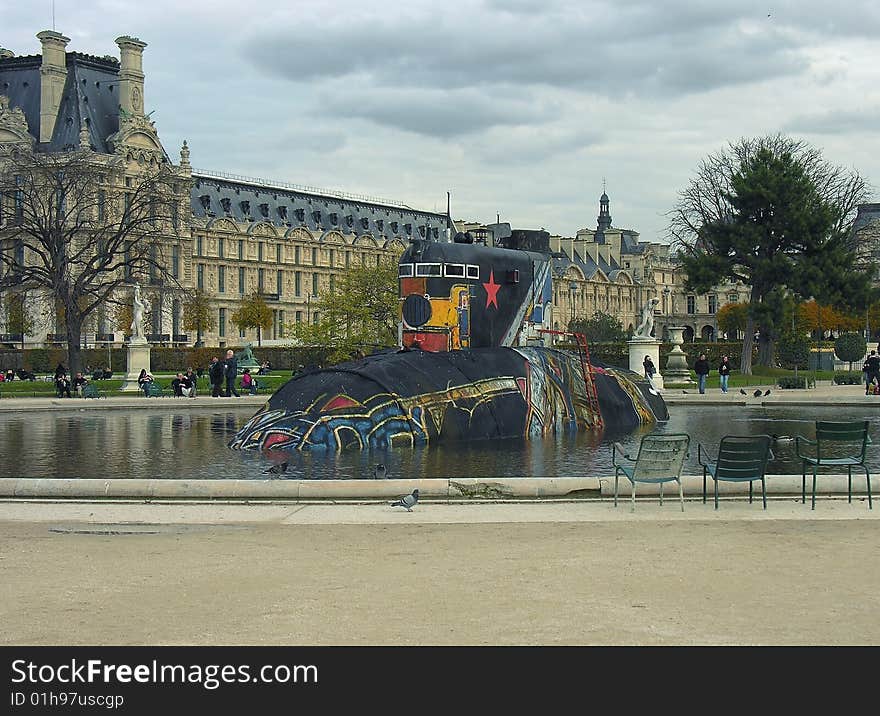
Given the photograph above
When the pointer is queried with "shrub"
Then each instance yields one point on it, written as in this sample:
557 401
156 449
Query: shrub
793 350
848 378
790 381
850 347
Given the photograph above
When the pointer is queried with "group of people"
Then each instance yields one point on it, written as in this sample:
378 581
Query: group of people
702 369
224 373
183 385
63 384
10 375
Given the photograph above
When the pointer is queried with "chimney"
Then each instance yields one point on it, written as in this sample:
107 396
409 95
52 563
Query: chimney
131 75
53 75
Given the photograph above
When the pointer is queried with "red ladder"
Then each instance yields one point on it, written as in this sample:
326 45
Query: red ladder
592 394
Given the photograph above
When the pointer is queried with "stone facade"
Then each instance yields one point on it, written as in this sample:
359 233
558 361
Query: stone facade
235 235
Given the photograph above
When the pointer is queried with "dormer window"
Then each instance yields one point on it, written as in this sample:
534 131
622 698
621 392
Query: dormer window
334 219
300 214
422 229
349 221
408 229
394 226
264 211
380 224
205 201
282 212
316 217
365 222
226 203
245 208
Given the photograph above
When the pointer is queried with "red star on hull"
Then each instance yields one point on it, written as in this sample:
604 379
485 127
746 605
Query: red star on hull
491 290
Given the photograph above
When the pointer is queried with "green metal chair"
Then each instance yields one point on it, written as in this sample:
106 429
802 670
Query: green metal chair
660 459
740 459
837 444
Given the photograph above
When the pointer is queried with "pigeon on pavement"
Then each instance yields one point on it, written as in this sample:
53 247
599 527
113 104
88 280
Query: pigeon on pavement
379 472
767 392
757 393
742 392
277 469
685 392
407 501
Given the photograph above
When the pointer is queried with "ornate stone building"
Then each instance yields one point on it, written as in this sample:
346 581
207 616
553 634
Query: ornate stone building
610 270
234 235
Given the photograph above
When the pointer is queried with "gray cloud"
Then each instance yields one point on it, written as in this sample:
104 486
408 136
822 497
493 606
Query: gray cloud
433 112
637 47
840 121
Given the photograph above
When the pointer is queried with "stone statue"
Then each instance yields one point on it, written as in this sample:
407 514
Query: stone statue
647 324
245 357
137 321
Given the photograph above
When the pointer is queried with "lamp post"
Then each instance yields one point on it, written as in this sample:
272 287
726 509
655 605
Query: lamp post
309 308
572 288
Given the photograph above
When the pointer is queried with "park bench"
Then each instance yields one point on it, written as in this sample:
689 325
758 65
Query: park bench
91 391
154 390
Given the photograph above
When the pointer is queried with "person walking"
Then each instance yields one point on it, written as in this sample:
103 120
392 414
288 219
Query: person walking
649 368
192 380
872 375
724 372
215 373
231 370
701 368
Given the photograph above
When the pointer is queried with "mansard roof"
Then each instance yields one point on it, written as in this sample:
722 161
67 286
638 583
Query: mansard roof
90 96
246 201
867 214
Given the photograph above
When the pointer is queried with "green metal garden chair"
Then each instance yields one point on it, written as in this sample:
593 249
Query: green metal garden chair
837 444
660 459
740 459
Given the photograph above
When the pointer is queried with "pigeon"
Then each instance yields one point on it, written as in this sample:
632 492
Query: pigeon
379 472
277 469
407 501
767 392
757 393
685 392
742 392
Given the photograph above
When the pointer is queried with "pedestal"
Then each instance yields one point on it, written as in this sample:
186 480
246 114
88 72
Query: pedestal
138 359
639 347
677 370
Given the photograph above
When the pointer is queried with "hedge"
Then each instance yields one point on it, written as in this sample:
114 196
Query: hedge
848 378
162 360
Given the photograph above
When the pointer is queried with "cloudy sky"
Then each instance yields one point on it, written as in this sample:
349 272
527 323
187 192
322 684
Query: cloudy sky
518 107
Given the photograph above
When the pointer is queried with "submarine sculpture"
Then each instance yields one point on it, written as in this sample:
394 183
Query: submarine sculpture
472 365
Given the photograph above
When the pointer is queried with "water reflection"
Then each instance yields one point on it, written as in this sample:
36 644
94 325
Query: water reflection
192 444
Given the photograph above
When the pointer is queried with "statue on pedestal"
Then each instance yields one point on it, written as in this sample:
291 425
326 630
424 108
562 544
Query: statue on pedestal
137 321
647 323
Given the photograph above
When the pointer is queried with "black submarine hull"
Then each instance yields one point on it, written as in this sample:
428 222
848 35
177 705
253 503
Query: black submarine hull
415 397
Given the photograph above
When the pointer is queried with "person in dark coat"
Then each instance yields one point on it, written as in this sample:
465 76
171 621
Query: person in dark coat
231 369
724 372
648 364
701 368
215 373
872 372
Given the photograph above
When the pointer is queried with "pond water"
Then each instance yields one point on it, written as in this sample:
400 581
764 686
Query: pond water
192 444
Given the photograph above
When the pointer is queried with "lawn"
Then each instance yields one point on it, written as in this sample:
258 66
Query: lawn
760 376
44 386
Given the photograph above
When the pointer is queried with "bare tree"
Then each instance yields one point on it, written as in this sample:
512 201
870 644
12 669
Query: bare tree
82 227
